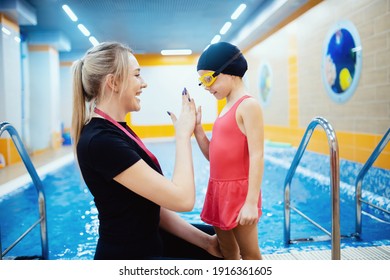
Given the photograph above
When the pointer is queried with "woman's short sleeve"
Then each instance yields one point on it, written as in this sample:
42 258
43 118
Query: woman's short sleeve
112 154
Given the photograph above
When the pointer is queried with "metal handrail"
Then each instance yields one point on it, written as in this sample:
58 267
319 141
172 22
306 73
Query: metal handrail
5 126
359 180
335 183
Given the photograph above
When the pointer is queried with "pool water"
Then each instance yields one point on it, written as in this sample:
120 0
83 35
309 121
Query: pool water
73 224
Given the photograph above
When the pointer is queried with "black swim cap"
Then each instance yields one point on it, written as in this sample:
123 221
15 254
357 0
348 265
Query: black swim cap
217 55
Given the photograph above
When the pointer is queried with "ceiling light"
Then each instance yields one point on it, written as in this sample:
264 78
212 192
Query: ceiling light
238 11
84 30
93 41
215 39
69 12
177 52
225 28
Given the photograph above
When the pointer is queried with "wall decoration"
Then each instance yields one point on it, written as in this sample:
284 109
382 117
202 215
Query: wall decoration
341 61
265 83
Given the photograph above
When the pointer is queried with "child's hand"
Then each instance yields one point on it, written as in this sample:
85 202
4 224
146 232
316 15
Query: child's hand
248 214
199 116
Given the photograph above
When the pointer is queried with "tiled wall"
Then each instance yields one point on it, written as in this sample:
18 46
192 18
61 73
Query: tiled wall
295 55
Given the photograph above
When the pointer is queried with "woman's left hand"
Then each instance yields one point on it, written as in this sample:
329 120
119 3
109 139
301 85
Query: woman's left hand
185 123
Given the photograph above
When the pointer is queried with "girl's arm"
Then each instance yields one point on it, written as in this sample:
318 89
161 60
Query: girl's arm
173 223
177 194
250 120
200 135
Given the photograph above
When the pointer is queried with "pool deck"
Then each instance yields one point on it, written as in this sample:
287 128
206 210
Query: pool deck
16 170
360 253
12 173
16 175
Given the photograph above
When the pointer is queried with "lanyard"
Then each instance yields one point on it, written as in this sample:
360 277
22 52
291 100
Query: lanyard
133 137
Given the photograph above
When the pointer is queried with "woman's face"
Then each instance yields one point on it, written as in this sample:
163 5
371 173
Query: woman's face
220 87
131 95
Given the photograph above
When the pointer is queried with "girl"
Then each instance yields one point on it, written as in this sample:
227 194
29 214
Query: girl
233 200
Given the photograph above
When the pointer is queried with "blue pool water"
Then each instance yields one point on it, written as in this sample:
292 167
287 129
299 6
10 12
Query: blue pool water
73 223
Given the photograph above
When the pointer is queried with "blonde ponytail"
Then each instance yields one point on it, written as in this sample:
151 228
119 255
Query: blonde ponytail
78 116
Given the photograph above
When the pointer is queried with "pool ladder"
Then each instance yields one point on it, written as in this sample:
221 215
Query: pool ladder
5 126
359 180
334 180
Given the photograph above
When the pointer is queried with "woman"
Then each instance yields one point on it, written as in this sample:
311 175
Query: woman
133 198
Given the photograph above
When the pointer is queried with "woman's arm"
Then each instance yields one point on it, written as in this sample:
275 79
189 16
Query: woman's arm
177 194
173 223
250 121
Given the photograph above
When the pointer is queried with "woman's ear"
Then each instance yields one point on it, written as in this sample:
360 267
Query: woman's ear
112 83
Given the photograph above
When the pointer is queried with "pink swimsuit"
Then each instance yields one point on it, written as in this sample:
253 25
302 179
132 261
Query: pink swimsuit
229 168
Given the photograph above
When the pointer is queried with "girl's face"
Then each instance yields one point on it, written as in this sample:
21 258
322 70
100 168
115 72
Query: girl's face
220 88
135 84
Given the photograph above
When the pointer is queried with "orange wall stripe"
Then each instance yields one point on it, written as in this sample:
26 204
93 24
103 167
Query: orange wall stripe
293 112
161 60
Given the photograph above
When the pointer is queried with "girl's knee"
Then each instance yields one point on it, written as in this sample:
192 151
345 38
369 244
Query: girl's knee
231 255
230 251
228 245
251 255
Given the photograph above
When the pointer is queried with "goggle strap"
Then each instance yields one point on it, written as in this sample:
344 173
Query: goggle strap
226 64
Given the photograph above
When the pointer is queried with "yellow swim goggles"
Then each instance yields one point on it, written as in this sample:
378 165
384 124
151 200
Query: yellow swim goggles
207 79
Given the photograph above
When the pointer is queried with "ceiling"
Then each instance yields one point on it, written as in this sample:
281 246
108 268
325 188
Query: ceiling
147 26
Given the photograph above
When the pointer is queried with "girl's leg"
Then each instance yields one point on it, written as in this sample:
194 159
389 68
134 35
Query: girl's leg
247 239
228 244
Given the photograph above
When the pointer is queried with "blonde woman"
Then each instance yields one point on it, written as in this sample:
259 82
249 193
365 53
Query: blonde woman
134 200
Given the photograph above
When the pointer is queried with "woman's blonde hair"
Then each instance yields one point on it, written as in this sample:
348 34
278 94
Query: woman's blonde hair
89 75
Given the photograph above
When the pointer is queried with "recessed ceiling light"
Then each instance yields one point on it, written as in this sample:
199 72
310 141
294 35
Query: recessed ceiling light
225 28
69 12
93 41
215 39
84 30
177 52
238 11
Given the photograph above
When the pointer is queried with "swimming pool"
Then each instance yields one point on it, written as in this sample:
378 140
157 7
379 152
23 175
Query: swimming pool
73 224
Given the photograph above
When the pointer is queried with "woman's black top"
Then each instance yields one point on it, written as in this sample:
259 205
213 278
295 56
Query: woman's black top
128 223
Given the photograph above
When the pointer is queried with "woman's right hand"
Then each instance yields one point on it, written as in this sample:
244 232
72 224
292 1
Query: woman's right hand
185 124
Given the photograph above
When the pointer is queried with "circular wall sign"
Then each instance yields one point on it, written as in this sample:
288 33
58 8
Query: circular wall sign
265 83
341 61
